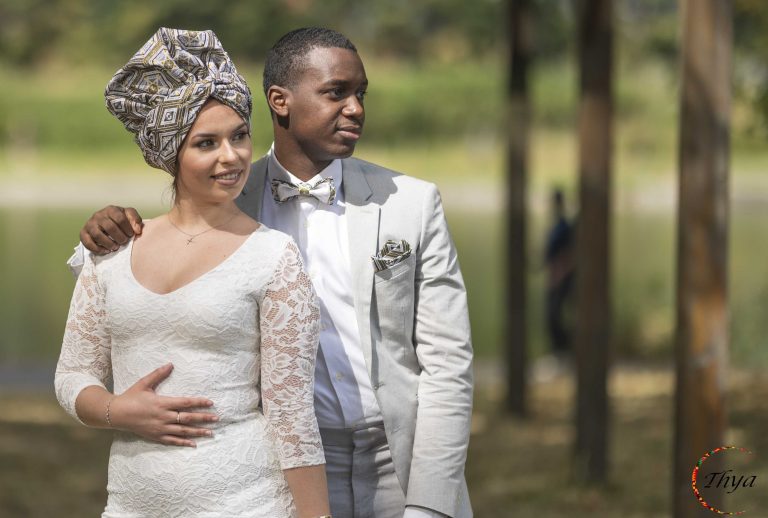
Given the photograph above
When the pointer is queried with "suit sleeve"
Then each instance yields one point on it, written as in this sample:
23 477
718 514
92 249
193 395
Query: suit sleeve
444 351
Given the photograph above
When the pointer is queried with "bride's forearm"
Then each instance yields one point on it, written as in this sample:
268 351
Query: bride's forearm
309 489
93 405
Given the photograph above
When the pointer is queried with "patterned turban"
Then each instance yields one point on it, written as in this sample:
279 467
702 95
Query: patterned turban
159 92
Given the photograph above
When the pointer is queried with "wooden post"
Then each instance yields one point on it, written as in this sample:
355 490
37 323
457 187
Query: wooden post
593 313
701 339
518 116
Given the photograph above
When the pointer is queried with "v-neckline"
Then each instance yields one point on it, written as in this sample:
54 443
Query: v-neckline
193 281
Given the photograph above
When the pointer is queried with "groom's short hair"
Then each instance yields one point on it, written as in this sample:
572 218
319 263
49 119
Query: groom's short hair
287 58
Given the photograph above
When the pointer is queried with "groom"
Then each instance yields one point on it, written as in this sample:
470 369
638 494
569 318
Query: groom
393 387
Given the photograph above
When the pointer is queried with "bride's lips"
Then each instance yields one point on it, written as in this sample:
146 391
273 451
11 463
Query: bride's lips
228 177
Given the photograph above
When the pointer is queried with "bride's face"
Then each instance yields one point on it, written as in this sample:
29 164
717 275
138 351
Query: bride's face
215 158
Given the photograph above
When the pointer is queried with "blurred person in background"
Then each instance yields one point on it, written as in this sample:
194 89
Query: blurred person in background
205 287
558 258
393 384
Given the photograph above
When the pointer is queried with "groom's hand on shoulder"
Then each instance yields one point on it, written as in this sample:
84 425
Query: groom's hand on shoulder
109 228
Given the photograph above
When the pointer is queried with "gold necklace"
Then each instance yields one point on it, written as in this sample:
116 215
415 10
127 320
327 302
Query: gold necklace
193 236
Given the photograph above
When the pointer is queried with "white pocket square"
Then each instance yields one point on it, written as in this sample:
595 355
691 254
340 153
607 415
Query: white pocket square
392 253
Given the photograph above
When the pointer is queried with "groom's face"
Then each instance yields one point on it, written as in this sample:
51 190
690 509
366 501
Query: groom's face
325 104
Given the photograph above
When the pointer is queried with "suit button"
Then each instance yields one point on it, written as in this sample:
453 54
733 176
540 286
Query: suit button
339 376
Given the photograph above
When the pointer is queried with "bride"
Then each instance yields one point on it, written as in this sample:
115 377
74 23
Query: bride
208 292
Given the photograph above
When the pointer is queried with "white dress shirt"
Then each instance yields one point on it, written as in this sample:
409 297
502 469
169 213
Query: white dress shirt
344 397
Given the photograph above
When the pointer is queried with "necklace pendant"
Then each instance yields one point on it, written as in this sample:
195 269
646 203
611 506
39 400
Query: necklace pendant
190 240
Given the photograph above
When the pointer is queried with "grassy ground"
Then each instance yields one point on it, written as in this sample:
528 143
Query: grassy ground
522 468
515 468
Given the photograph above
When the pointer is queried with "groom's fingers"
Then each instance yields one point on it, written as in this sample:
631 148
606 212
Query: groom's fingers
119 223
133 220
93 246
113 229
104 228
115 221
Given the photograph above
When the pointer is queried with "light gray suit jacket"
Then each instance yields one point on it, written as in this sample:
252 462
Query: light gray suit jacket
414 327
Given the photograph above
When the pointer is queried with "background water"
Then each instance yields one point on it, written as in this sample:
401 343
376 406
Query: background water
36 285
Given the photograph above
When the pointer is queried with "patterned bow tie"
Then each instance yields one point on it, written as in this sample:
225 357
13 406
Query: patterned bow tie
324 190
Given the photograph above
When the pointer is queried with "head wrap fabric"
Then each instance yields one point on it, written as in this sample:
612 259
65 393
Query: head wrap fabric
159 92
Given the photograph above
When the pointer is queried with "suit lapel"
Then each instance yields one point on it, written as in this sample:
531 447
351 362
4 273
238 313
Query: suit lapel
363 231
250 199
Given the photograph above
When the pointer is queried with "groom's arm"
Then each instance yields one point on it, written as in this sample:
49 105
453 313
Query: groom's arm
444 350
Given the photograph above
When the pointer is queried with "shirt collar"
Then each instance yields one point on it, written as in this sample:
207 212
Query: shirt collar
275 170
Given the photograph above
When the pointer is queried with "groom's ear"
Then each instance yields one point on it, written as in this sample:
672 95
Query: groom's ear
279 100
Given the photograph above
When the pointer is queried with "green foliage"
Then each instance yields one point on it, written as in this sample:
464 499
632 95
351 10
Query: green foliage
422 104
33 31
406 103
649 29
24 26
553 29
751 47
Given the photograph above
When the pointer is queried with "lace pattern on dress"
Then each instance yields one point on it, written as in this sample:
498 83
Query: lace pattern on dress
247 325
86 348
290 319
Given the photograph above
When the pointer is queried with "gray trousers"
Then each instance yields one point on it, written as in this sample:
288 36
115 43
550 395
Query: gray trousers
361 476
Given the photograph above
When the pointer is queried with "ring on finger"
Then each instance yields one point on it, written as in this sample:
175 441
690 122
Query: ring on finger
178 417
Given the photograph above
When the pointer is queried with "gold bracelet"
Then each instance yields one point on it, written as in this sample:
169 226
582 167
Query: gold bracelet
109 404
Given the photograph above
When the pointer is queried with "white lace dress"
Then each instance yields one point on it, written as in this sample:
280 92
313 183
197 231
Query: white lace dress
243 335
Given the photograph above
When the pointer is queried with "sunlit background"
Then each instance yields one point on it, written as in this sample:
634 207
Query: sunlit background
435 110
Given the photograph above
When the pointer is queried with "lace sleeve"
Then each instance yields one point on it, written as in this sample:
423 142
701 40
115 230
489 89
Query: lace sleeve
85 358
289 336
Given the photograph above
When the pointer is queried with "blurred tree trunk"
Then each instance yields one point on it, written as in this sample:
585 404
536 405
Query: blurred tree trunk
518 106
593 309
702 246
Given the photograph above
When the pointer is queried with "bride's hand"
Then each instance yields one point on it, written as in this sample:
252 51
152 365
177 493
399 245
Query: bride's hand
168 420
